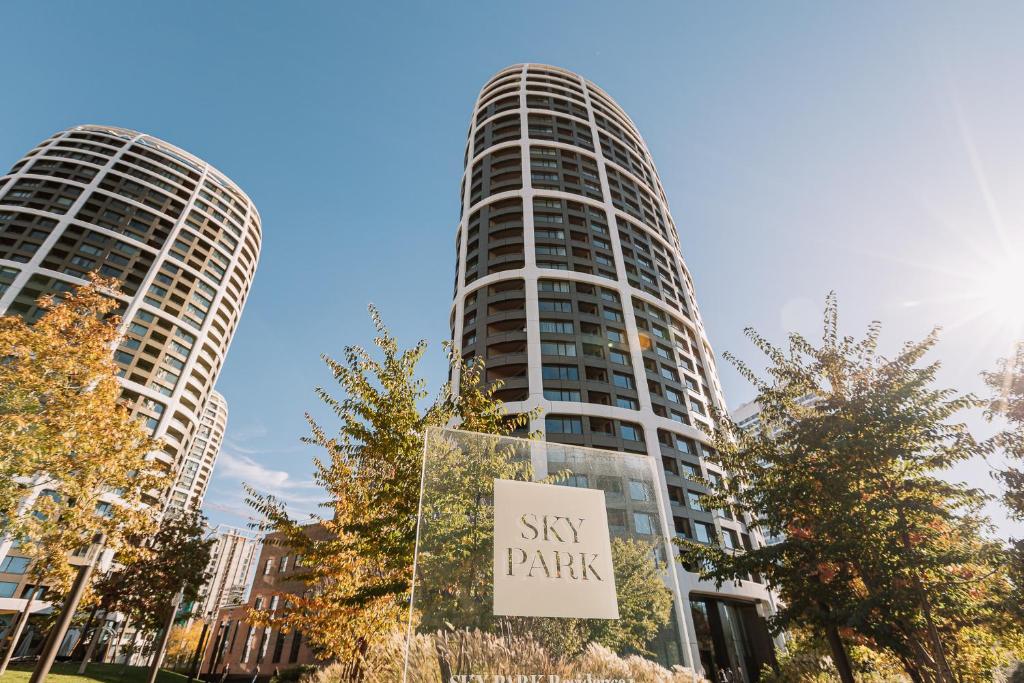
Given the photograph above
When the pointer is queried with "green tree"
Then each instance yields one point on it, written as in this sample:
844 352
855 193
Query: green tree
175 561
645 603
1007 404
878 545
358 563
72 458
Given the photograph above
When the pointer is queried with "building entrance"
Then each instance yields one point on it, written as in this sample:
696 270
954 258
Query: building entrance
732 639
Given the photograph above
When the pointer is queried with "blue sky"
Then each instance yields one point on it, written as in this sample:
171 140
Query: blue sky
874 149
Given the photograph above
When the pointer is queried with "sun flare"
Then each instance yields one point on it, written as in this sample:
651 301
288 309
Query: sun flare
1000 292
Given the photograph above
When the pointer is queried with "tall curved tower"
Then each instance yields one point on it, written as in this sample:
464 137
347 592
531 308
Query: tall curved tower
182 239
193 477
571 283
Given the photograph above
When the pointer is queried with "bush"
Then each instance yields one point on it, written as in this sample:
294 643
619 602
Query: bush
807 660
475 651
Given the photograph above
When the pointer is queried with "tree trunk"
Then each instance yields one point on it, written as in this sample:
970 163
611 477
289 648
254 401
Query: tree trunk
839 655
16 630
92 646
67 613
116 645
161 645
80 648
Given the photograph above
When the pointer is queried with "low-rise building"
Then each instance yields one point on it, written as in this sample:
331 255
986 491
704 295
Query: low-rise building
240 647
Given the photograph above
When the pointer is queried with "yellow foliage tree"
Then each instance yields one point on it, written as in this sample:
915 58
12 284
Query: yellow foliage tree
72 459
181 646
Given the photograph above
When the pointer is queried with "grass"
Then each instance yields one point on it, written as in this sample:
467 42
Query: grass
108 673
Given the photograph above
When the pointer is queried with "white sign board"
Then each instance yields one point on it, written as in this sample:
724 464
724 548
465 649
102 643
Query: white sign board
552 552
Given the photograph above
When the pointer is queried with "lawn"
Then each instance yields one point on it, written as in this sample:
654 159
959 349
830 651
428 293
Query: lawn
109 673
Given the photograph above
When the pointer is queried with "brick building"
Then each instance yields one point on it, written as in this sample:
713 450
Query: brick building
240 646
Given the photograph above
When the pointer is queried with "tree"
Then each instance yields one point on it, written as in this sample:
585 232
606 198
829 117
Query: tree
73 460
358 562
172 571
176 560
877 544
181 646
645 603
1007 404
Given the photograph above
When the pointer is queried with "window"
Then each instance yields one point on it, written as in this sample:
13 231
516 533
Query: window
569 372
639 490
553 286
623 381
643 522
293 656
703 532
629 432
562 394
563 425
7 589
730 540
616 520
557 306
617 357
579 481
550 251
283 567
615 335
556 326
676 495
278 646
248 644
14 565
694 499
627 403
551 235
268 566
558 349
683 529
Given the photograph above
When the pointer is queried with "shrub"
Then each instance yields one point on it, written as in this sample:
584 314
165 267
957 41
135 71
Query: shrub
465 652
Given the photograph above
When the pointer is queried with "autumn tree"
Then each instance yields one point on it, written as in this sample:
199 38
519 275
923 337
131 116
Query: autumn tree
182 644
878 545
358 565
73 461
1007 405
